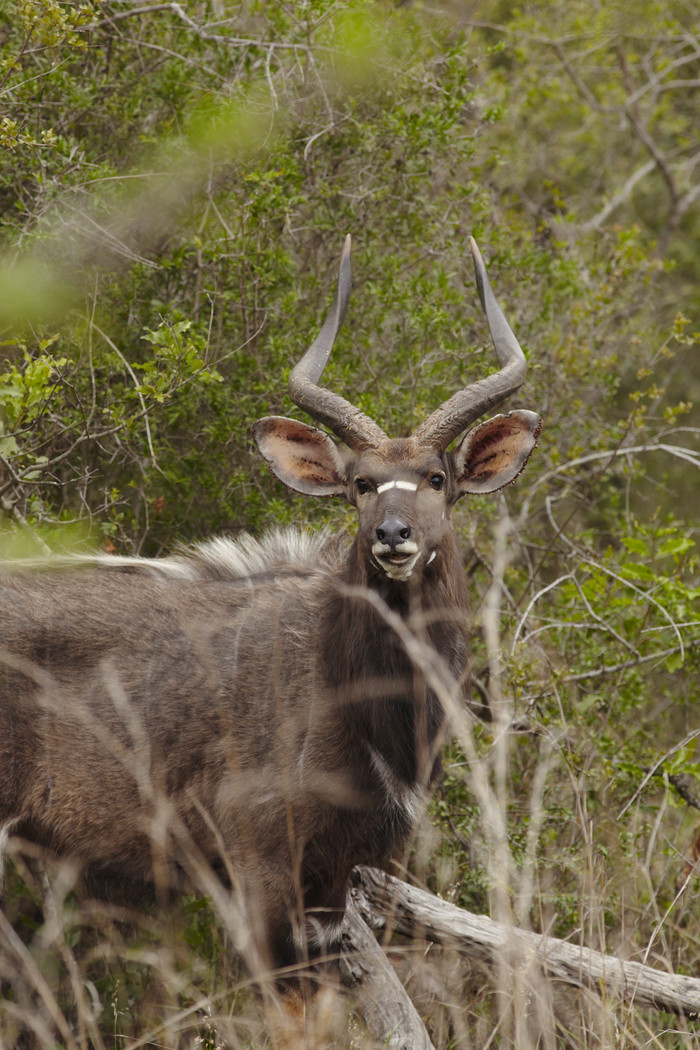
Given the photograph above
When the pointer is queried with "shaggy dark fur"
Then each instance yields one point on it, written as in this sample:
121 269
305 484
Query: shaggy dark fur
243 706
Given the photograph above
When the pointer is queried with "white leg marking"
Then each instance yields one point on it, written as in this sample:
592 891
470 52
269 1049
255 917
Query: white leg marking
4 836
317 935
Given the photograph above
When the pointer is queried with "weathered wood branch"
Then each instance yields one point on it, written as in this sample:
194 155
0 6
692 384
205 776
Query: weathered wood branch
380 898
386 1009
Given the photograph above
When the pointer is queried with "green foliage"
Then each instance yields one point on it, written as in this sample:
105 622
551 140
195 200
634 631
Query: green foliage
24 393
175 185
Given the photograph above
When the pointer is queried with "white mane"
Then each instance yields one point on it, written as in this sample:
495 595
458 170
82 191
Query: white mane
219 558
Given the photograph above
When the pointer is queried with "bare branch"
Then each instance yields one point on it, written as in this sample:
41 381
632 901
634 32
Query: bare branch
652 772
382 899
386 1009
620 198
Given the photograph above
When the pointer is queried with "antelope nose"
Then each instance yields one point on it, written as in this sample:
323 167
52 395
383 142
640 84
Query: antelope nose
393 531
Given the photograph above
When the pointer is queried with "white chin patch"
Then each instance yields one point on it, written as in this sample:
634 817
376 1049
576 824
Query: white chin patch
397 564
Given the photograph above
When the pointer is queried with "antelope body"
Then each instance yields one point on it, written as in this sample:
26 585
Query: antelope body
250 708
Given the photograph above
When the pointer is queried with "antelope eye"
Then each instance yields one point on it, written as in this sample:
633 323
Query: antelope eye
437 481
362 486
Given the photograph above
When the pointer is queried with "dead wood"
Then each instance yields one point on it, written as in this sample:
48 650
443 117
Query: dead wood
383 900
390 1016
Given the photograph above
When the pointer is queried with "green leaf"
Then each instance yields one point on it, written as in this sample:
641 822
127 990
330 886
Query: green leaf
676 546
674 662
635 545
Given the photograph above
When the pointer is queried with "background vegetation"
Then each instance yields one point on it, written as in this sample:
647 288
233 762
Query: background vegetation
175 184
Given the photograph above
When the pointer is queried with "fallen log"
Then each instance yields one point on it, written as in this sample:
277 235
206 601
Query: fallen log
382 899
390 1016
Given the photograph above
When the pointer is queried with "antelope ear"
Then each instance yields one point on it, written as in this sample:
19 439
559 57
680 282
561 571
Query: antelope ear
301 456
493 454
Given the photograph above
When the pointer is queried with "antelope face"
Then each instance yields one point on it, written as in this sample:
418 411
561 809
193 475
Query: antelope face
402 507
403 489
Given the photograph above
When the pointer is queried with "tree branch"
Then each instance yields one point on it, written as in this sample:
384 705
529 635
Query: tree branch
386 1009
409 910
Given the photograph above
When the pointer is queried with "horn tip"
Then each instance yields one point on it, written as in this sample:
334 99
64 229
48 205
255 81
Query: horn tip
479 272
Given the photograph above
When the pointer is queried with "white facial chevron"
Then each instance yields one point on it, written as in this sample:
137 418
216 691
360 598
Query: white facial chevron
408 485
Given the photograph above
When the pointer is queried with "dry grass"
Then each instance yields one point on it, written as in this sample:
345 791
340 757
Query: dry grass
83 974
550 857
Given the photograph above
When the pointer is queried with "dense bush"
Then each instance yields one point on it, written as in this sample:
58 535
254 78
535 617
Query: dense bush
175 185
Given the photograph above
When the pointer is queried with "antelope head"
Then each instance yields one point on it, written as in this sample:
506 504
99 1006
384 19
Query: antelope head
403 488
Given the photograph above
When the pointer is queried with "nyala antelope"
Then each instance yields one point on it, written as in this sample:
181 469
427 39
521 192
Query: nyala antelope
248 708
